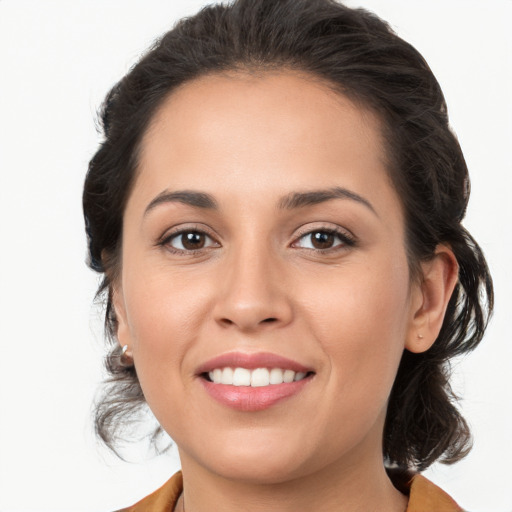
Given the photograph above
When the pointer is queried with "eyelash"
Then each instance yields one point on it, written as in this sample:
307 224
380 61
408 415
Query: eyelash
165 242
346 240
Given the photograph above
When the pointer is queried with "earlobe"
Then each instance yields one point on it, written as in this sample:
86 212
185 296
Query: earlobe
439 277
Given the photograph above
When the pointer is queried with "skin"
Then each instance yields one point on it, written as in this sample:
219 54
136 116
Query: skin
258 285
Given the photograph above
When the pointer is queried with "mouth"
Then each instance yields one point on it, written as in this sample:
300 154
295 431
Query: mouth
258 377
253 382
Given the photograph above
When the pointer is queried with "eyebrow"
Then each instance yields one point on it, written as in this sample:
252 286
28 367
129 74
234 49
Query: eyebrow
291 201
188 197
302 199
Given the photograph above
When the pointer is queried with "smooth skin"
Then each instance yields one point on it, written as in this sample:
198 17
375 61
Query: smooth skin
253 276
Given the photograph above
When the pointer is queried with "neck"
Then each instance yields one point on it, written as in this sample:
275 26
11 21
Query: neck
351 488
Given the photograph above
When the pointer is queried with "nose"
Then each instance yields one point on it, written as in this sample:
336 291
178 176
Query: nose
253 293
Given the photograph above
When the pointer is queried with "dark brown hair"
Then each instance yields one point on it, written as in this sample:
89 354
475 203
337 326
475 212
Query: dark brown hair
358 55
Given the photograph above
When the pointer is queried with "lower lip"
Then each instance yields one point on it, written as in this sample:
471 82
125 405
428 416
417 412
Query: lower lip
247 398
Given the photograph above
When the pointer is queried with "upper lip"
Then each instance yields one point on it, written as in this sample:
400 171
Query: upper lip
251 361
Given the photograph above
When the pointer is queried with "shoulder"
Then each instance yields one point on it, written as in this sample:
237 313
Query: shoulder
163 499
426 496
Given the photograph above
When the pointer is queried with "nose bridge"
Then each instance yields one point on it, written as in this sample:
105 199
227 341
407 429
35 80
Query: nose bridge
253 293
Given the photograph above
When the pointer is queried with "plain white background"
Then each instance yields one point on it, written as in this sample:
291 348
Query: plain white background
57 61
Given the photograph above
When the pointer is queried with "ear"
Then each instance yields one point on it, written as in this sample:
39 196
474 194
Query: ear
111 267
430 299
118 303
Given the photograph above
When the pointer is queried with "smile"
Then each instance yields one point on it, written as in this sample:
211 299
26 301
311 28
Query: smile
258 377
253 382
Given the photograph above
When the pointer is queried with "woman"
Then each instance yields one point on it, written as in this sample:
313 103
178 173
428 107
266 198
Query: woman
277 210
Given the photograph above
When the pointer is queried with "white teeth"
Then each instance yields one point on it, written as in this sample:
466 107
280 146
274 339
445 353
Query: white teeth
227 376
241 377
276 376
258 377
288 376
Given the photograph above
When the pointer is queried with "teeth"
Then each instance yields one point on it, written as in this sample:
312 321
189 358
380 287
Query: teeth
255 378
241 377
276 376
288 376
260 377
227 376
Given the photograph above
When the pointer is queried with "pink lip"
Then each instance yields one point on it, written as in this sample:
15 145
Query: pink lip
247 398
251 361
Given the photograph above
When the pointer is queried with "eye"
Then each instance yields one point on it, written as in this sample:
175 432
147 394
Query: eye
188 241
323 240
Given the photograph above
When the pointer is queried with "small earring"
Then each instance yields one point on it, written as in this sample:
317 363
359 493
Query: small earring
126 356
420 336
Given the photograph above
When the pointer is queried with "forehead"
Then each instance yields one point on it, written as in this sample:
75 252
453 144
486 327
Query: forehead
280 107
265 132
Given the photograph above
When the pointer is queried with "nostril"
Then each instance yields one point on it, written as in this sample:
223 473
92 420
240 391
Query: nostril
248 321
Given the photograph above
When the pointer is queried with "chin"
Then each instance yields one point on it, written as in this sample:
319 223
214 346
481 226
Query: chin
261 463
261 470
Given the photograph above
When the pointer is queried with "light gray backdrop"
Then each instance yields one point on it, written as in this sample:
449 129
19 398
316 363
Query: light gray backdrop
57 61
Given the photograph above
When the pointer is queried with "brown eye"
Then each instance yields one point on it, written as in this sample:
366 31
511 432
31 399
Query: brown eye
192 240
323 240
189 241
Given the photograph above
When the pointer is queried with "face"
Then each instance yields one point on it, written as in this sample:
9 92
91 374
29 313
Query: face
263 240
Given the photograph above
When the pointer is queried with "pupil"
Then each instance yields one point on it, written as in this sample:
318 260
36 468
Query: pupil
192 240
322 240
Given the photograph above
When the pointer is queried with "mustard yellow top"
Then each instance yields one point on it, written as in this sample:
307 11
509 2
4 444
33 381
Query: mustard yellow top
424 497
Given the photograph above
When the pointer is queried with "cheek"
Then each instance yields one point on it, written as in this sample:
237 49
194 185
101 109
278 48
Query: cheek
361 321
164 324
162 308
164 312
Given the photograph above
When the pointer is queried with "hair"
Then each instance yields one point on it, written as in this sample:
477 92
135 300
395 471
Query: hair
357 54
